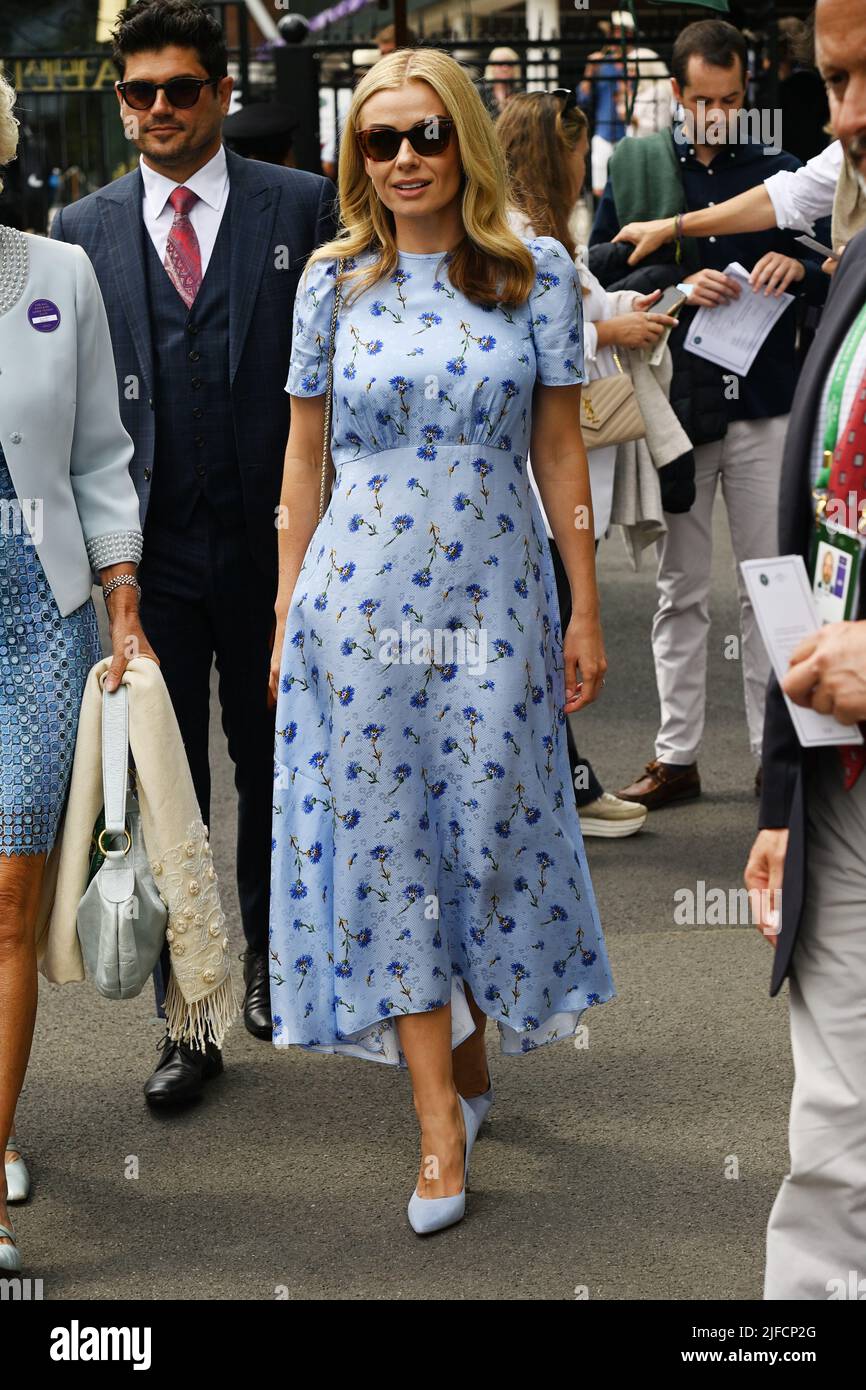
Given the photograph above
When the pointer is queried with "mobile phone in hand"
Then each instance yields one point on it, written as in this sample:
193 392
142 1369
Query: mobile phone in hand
672 300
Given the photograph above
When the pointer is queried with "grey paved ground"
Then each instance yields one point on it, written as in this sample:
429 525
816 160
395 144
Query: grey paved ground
602 1168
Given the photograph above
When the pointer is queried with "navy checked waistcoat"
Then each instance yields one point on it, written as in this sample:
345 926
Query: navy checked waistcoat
195 437
276 217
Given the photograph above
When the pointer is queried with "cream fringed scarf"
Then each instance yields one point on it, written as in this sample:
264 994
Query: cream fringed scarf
200 1003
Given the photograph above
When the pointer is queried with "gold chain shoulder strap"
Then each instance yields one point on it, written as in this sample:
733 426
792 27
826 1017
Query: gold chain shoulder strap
330 389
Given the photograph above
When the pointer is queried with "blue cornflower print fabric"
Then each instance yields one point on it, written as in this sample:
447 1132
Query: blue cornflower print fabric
425 832
44 661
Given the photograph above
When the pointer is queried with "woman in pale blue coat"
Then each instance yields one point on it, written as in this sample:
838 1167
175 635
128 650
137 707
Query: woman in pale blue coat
68 509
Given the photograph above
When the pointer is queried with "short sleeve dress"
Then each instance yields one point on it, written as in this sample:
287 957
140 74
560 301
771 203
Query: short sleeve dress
425 833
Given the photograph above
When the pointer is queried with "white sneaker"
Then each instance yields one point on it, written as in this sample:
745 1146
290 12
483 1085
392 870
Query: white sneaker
611 817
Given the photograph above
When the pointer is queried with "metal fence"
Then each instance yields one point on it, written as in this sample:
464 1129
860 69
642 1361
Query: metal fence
71 139
541 64
73 142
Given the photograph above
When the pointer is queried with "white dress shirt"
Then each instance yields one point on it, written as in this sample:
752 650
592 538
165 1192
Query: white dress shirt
211 183
801 196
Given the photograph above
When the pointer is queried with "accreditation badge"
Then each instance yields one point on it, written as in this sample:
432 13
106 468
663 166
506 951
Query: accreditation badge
835 571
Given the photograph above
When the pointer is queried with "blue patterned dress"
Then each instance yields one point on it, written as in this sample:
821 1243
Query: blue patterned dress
425 831
44 661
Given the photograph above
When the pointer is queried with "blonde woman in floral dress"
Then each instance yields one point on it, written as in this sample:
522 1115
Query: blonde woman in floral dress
428 868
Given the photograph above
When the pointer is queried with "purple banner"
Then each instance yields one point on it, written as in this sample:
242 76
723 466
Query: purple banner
335 12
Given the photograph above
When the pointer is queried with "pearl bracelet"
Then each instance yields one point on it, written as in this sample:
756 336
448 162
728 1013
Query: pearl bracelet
117 581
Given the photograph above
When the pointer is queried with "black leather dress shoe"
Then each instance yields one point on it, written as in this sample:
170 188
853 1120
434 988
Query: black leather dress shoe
258 1019
181 1073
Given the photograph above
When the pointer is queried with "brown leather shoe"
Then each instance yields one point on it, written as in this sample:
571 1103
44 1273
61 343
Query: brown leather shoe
661 787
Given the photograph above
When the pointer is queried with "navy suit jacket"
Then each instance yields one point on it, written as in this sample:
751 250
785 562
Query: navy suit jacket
278 217
783 796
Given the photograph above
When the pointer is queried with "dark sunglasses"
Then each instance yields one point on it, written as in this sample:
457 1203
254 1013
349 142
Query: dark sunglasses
427 137
180 92
568 96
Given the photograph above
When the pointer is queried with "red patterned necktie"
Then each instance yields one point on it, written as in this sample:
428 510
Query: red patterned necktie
847 475
182 252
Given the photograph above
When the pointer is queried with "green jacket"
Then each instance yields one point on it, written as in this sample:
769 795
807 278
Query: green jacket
646 184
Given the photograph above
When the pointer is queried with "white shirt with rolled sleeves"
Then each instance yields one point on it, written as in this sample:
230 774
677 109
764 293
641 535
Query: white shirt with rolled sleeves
801 196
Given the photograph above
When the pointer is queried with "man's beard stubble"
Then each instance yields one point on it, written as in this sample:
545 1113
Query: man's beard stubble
179 154
856 151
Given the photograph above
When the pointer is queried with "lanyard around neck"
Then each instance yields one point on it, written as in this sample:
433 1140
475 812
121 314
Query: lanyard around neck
834 396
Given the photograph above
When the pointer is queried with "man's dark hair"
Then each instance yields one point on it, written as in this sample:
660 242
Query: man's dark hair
713 40
801 40
156 24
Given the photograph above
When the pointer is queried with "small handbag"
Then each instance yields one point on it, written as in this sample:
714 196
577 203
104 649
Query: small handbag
609 410
330 390
121 917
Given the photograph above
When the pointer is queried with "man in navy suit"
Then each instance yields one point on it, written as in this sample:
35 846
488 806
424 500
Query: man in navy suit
198 253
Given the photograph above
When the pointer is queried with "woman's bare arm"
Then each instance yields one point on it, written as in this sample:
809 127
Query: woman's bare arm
561 470
298 512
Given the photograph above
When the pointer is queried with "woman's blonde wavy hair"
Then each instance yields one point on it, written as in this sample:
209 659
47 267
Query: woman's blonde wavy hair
8 125
491 264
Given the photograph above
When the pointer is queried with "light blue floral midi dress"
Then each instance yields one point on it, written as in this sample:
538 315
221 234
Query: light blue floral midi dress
425 832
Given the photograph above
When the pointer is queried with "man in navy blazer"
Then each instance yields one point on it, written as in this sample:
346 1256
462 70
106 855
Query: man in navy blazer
812 840
198 253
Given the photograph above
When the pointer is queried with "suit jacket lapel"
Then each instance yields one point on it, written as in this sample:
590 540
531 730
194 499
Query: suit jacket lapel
253 209
120 210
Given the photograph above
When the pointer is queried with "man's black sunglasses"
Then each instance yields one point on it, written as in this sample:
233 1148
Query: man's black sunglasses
180 92
430 136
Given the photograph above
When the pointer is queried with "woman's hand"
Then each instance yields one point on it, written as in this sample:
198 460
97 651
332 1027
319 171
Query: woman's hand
775 272
647 236
642 302
638 330
277 656
585 661
281 613
127 641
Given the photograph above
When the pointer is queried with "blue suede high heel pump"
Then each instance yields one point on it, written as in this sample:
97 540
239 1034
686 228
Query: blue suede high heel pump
428 1214
481 1104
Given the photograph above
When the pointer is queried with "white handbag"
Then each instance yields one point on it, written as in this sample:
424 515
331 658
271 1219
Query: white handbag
121 917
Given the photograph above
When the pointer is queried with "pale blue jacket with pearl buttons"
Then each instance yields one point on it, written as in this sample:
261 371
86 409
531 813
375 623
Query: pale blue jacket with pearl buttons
67 452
